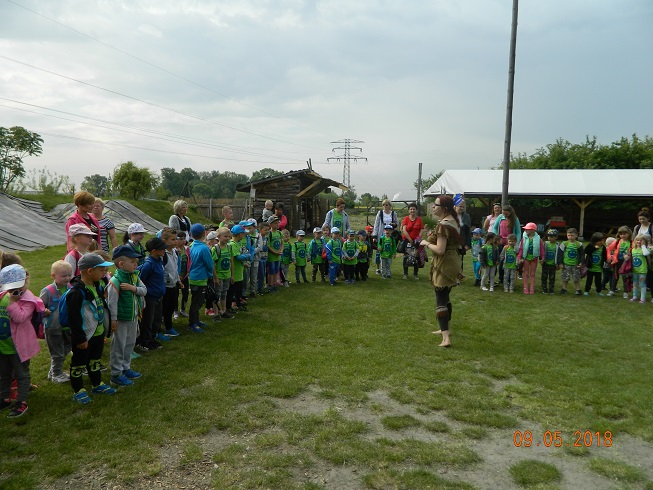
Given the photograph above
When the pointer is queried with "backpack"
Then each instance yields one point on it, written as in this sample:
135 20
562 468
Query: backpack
36 320
64 320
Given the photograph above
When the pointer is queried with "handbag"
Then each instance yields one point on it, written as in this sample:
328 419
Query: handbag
401 247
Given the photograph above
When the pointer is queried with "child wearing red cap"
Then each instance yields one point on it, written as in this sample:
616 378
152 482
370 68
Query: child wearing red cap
531 249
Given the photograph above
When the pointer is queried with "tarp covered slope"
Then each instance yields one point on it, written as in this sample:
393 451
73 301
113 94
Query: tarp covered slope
24 226
540 183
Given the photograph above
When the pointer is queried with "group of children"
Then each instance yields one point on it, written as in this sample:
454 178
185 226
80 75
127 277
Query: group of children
602 262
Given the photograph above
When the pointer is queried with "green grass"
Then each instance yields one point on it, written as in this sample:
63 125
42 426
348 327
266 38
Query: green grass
531 472
288 389
616 470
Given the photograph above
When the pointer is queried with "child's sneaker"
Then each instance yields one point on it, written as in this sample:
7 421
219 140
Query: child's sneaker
103 389
134 355
545 291
121 380
183 313
586 293
5 404
195 329
563 291
633 298
17 410
642 301
579 292
483 288
60 378
492 290
600 294
405 276
625 295
202 324
82 397
175 315
378 271
610 293
162 337
209 312
172 333
227 315
131 374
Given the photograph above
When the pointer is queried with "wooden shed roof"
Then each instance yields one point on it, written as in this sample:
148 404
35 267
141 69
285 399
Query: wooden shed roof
312 183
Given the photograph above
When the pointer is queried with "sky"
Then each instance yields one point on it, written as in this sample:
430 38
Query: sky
241 85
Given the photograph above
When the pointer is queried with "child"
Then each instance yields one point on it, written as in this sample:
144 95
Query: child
85 309
81 238
263 258
641 260
616 254
224 268
57 338
608 272
172 280
247 240
326 233
211 238
509 259
363 259
334 254
257 243
211 297
350 256
227 217
126 293
240 254
275 249
551 261
531 249
183 254
133 237
489 258
595 257
286 257
388 250
153 276
201 269
477 243
298 255
18 342
572 258
315 252
267 210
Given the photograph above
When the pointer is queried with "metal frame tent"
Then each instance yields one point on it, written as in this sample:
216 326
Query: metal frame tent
580 186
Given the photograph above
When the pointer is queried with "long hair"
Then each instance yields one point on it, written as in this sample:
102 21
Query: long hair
513 217
446 203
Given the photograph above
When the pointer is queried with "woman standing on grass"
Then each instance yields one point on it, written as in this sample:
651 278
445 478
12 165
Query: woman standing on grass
411 228
107 228
84 202
505 224
644 228
337 217
179 221
445 243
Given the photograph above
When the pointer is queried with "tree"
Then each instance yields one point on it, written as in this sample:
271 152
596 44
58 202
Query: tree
428 181
264 173
15 144
368 200
49 184
132 181
350 197
97 184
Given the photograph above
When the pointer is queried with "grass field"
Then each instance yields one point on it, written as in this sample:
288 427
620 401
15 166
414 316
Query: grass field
345 387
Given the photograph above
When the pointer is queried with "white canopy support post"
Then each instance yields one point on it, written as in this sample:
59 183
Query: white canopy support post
582 205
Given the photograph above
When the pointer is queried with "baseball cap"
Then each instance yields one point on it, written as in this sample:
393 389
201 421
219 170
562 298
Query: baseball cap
212 235
335 229
477 231
252 222
362 233
317 229
90 261
136 228
125 251
301 233
458 199
197 229
79 229
155 244
351 232
552 232
236 229
13 277
387 227
272 219
244 223
530 226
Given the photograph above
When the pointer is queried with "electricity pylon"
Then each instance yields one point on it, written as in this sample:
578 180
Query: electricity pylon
346 157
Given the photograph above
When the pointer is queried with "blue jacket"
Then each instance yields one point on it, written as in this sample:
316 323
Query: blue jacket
201 262
153 277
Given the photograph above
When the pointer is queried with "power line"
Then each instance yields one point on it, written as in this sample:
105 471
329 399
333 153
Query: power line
160 68
346 157
157 105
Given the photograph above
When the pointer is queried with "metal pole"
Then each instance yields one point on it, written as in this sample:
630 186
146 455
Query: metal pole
419 186
511 88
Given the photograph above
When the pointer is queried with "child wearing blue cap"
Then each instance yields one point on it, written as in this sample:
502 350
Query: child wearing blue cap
201 269
125 301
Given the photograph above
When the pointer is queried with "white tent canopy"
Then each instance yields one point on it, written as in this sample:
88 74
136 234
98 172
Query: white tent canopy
580 186
547 183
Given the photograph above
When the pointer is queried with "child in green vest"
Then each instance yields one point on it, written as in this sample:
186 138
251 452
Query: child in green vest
641 261
489 258
286 257
595 257
315 253
350 257
572 258
224 268
241 257
509 258
364 254
125 301
477 243
275 249
388 249
298 255
334 254
551 261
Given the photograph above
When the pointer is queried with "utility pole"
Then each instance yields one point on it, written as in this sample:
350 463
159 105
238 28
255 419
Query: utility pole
346 157
419 185
511 91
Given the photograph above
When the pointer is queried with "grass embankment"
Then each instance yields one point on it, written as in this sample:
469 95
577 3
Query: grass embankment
282 389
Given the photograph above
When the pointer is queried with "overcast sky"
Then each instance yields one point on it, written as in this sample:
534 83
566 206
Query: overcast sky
254 84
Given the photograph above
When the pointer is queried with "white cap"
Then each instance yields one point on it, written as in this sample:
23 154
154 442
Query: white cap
136 228
335 229
213 235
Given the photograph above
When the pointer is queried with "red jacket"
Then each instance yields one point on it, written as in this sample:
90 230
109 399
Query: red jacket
76 218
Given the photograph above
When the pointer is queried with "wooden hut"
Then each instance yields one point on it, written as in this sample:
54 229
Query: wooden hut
298 191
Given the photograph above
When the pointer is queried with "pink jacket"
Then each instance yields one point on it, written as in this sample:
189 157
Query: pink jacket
22 331
74 219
